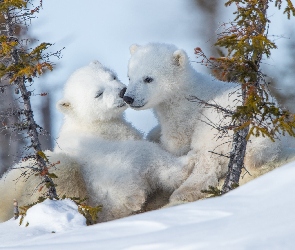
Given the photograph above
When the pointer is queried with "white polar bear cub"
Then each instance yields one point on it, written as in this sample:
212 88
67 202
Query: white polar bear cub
93 105
161 77
111 165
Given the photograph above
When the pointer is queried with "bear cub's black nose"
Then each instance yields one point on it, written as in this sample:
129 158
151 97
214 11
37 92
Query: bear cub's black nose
128 99
122 92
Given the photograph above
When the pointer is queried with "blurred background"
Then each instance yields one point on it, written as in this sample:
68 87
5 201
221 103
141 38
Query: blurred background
104 30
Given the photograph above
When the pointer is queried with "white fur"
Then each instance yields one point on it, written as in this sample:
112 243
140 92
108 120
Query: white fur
113 167
26 190
183 130
121 175
86 114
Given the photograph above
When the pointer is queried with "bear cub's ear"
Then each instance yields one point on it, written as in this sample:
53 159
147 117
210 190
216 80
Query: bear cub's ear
180 57
95 63
64 106
133 48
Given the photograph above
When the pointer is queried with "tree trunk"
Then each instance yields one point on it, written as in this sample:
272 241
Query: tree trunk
30 123
45 137
209 11
239 143
236 161
10 142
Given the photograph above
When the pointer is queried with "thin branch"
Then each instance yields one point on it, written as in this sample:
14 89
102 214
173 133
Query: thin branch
206 104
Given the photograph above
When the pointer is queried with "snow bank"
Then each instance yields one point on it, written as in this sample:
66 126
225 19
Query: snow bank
258 215
54 216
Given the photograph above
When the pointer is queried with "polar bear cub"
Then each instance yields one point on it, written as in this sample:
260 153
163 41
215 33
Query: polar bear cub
101 155
93 105
162 78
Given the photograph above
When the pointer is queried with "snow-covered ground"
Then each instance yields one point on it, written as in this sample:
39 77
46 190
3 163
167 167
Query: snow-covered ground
258 215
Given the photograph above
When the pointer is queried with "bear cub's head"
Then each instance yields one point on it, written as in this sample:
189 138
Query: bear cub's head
93 93
154 71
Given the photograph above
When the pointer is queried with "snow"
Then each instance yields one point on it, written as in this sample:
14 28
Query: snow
258 215
54 216
42 219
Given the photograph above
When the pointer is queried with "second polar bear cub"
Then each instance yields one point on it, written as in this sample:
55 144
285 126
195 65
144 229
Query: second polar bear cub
161 77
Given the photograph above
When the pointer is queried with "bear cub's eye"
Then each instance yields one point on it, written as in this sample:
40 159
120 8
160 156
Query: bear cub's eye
148 79
114 77
98 94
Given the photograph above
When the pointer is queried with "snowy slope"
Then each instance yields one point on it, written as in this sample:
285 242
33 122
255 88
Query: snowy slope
258 215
